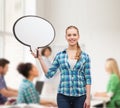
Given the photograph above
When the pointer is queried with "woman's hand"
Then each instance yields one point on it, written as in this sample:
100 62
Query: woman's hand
87 103
34 55
100 94
37 55
53 104
48 103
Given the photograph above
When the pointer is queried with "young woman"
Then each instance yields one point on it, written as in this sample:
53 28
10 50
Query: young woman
74 66
113 87
27 92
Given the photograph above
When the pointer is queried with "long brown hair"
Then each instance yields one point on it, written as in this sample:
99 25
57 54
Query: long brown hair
78 53
113 66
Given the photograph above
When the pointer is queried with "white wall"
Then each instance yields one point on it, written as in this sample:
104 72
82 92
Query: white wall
98 21
14 53
99 24
13 50
30 7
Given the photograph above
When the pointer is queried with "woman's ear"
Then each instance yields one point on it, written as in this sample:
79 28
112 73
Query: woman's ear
66 37
0 69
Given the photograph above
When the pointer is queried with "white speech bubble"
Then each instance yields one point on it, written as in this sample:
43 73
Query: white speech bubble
34 31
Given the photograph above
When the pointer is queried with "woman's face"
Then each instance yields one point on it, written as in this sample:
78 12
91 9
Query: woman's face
72 36
47 53
34 71
107 67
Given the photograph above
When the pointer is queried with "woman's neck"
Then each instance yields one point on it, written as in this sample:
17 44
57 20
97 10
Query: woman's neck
31 78
74 47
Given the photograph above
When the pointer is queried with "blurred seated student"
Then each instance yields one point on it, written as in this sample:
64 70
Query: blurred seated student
5 91
27 92
113 87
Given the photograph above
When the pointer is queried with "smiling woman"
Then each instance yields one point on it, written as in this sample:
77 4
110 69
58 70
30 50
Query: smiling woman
74 66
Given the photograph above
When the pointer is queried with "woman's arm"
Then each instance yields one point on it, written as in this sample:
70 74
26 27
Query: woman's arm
11 89
88 90
88 83
49 73
47 103
8 93
43 65
87 101
101 94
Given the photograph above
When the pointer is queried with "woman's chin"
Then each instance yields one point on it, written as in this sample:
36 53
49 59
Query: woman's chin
72 44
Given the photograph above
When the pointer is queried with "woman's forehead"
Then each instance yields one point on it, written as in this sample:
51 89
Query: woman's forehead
72 30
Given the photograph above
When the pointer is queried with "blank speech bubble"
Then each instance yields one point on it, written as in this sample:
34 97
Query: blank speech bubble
34 31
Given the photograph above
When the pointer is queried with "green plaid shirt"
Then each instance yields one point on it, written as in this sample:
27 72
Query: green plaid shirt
27 93
73 81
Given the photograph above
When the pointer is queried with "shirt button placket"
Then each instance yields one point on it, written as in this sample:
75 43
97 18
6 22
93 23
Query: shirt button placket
72 82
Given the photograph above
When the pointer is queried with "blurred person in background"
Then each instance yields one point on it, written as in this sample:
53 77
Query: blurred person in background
27 93
46 53
5 91
113 87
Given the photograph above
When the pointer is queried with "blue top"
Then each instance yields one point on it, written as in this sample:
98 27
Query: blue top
3 99
27 93
73 81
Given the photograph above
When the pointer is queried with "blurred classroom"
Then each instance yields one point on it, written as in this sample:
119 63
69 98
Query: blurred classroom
97 20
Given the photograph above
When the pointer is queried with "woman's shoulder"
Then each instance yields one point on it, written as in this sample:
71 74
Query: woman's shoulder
114 76
61 52
26 85
85 55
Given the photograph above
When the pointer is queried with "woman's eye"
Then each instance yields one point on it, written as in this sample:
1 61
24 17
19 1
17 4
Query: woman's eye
69 34
74 34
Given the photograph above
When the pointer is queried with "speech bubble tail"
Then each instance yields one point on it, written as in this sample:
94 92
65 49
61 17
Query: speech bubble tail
30 49
35 50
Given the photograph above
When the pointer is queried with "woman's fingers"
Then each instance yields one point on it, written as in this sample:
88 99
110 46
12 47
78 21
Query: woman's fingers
84 105
34 55
39 52
37 55
88 106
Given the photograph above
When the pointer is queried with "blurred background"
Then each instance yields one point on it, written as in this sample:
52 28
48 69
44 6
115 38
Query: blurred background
97 20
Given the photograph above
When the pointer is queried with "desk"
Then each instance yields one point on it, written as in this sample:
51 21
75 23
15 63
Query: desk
26 106
94 101
99 100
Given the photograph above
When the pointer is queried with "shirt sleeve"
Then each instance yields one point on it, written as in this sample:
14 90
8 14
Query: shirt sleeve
30 96
114 81
2 85
53 69
87 71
